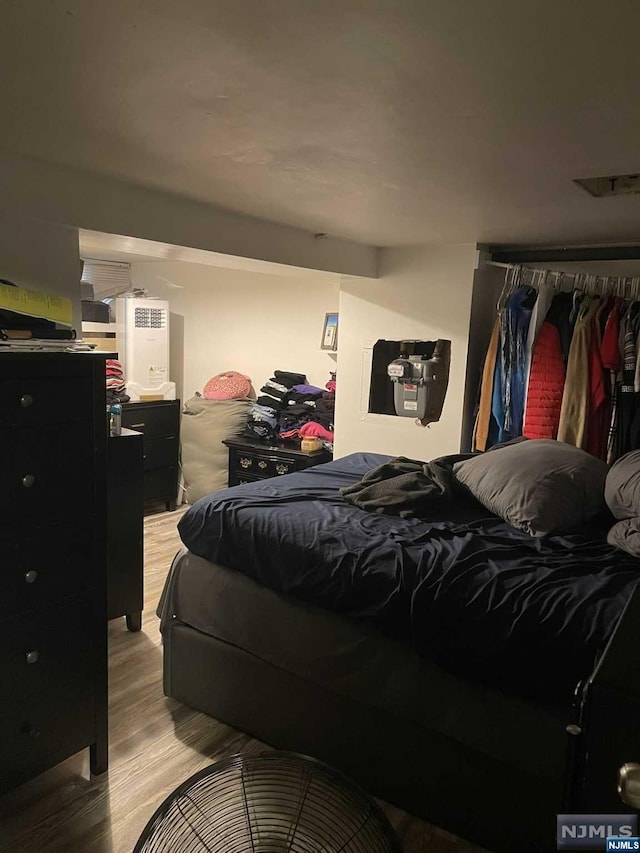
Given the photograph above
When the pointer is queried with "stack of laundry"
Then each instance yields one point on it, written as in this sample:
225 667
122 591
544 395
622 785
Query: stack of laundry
116 386
301 410
321 422
265 415
262 421
290 408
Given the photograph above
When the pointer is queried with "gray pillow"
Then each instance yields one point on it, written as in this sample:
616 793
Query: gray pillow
626 535
622 494
540 486
622 489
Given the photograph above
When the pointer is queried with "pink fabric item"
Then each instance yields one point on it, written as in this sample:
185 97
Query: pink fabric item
331 385
313 428
289 433
227 386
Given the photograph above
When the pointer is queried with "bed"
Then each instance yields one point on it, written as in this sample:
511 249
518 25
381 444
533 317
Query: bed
448 664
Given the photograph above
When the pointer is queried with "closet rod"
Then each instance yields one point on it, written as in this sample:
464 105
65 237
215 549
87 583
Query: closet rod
504 255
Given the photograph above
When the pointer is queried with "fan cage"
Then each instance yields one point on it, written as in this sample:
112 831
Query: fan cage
271 802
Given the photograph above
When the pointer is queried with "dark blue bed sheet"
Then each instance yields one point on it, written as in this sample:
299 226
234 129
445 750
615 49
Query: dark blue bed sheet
464 588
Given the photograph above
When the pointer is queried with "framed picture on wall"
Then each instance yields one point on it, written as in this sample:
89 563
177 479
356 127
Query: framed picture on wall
330 332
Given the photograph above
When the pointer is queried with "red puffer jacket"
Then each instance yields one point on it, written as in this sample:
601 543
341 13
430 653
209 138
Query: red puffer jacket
546 384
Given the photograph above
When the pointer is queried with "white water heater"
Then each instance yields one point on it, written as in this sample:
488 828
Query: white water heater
142 337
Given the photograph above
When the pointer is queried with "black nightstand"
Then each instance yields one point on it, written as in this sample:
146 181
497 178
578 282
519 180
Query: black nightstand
251 460
159 422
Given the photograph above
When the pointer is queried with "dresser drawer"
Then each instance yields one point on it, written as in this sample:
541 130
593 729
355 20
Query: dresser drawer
38 732
42 400
45 565
152 419
160 452
47 474
44 651
241 462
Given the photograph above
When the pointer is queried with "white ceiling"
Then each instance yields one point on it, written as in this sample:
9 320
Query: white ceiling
379 121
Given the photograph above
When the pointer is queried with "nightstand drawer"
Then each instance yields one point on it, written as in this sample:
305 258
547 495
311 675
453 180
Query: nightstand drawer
48 474
237 479
152 419
161 484
260 465
160 452
36 401
46 566
43 651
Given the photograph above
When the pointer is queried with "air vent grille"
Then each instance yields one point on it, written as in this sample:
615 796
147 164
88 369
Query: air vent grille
150 318
610 185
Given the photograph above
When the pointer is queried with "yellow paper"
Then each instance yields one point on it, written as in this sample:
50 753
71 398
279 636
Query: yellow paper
59 309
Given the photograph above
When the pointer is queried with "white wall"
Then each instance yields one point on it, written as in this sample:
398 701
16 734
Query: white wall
237 320
41 256
422 293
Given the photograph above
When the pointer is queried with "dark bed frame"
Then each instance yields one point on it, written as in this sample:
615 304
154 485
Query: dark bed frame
469 793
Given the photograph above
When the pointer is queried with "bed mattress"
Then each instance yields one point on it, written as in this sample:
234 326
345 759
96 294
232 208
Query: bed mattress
466 590
356 662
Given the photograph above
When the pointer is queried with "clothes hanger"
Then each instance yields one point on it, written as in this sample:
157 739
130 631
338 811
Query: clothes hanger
504 293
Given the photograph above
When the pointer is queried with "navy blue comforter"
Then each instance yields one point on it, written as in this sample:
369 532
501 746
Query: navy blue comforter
466 590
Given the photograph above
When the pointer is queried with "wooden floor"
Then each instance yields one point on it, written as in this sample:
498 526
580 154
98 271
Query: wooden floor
155 743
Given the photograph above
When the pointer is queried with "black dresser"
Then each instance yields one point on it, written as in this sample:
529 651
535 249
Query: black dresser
251 460
159 422
53 563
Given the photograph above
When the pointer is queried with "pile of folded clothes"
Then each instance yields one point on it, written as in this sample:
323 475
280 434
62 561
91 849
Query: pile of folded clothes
116 386
290 408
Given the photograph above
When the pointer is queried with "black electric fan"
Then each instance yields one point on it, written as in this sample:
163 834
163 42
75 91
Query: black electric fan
274 802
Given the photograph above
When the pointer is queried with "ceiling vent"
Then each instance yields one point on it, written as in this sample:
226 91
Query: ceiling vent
610 185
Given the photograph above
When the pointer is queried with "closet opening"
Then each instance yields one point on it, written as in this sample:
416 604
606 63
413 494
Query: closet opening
555 334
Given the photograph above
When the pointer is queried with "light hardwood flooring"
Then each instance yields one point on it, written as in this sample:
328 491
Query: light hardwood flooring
155 743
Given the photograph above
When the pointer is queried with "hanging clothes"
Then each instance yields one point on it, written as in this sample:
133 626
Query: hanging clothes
538 316
628 398
598 411
496 423
483 419
514 326
574 413
548 368
563 365
612 362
